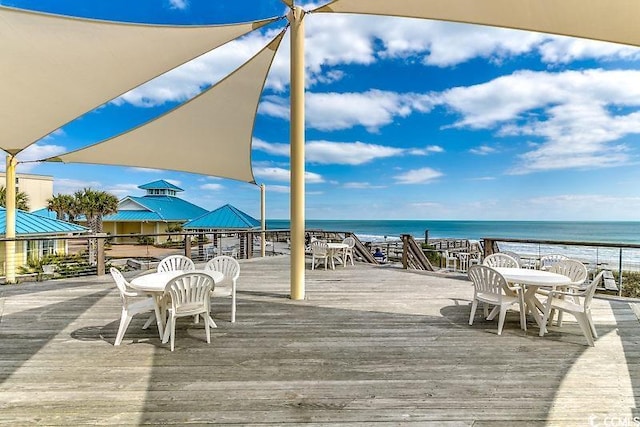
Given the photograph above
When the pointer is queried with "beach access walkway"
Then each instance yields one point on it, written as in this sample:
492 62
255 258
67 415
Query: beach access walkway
369 345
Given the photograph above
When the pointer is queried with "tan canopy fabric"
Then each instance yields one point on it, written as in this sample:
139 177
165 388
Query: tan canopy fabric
54 68
608 20
210 134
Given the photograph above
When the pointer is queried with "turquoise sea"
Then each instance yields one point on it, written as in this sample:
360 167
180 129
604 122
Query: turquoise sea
572 231
376 230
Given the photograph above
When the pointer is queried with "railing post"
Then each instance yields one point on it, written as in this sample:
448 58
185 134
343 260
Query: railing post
620 274
187 245
405 251
100 262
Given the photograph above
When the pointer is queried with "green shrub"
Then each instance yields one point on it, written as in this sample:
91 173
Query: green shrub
630 283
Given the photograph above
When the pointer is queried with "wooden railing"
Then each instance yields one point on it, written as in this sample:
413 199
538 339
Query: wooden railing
412 254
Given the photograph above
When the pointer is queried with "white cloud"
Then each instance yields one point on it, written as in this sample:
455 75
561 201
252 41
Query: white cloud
188 80
579 116
342 153
40 151
147 170
179 4
418 176
70 186
278 188
334 40
335 111
212 187
280 174
426 150
362 185
482 150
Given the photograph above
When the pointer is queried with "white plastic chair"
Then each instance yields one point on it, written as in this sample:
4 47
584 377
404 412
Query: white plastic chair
190 296
490 287
176 262
348 252
573 269
514 256
576 301
546 261
320 251
464 258
500 259
450 260
132 304
231 269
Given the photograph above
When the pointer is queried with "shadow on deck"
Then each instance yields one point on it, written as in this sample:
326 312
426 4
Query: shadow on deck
367 345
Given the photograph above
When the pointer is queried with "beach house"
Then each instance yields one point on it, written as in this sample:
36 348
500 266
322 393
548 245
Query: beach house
49 237
160 210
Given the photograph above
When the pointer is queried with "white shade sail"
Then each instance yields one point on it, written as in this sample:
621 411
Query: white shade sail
54 68
210 134
607 20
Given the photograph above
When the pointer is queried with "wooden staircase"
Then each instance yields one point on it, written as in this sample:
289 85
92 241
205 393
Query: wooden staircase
412 255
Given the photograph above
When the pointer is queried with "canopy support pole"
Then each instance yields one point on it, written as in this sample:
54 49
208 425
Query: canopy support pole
10 226
263 235
297 139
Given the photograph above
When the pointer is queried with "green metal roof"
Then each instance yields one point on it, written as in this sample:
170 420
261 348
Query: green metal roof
29 224
160 184
225 217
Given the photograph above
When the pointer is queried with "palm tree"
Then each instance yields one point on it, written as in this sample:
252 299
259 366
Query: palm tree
22 199
64 205
94 205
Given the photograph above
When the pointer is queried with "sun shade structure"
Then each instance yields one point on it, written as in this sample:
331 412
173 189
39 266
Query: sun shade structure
210 134
54 68
225 217
607 20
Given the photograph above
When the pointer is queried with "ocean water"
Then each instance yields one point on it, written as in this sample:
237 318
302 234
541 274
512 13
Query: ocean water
613 232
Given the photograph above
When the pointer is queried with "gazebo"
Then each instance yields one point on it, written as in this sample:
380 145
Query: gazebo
228 219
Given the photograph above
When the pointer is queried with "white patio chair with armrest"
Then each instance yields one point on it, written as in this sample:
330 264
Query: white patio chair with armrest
450 260
500 259
348 252
133 302
320 251
176 262
490 287
190 294
546 261
514 256
576 301
231 269
573 269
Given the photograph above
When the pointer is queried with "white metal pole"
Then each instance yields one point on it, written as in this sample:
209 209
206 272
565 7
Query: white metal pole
297 139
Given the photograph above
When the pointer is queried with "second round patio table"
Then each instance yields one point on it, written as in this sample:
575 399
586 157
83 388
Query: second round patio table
532 280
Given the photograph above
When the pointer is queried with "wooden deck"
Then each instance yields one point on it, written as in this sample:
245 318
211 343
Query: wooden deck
370 344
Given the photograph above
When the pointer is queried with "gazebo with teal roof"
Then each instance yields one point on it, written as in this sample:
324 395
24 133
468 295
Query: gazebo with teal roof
226 218
158 211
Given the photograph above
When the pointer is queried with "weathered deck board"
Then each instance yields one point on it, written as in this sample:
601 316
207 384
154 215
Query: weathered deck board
369 345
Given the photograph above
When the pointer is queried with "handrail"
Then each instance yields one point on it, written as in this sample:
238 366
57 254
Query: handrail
412 255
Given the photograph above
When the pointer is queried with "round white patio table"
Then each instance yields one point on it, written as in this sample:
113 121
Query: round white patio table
334 250
155 283
532 280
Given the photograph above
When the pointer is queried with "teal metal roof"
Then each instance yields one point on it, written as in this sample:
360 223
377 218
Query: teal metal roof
160 184
159 208
44 212
29 224
134 216
225 217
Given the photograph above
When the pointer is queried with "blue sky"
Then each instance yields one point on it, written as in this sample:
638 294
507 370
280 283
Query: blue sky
406 118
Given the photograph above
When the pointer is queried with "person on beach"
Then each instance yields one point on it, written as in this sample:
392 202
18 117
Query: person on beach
379 256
